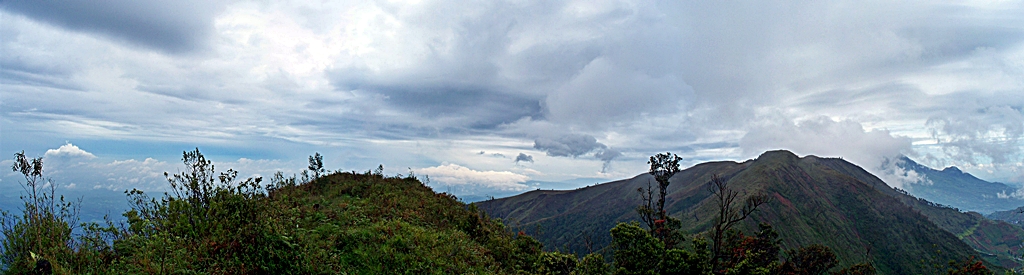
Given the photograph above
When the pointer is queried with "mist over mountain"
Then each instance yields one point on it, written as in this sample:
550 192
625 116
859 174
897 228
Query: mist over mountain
815 200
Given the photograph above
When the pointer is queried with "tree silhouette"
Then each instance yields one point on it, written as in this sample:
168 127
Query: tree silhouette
316 165
728 212
652 211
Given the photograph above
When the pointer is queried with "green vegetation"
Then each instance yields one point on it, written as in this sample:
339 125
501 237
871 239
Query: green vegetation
369 223
43 232
653 213
339 223
829 202
656 252
1013 216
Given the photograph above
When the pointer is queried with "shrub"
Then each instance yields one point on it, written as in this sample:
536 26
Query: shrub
42 234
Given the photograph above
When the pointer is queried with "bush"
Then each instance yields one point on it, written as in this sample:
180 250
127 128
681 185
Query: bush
42 234
636 251
592 264
557 263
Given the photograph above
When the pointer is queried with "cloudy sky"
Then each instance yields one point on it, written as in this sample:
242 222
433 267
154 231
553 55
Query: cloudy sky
488 97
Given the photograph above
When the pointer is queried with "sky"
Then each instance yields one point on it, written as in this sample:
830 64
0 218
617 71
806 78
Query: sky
498 97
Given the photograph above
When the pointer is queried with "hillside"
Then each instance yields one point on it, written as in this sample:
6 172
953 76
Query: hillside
998 242
958 189
1015 216
341 223
826 201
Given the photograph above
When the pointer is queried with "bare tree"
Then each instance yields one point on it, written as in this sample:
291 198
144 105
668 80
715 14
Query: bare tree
728 212
646 209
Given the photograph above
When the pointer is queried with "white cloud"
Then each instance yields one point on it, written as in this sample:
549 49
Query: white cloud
876 150
68 151
72 167
892 172
450 174
992 134
642 77
605 92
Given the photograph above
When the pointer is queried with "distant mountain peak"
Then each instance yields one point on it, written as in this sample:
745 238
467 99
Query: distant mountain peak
952 169
778 154
957 188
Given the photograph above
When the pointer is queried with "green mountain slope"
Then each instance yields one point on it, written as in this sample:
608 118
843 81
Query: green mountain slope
826 201
998 242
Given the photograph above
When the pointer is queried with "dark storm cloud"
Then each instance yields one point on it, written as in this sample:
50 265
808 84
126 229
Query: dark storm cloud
470 107
572 145
540 60
168 26
606 156
575 145
524 158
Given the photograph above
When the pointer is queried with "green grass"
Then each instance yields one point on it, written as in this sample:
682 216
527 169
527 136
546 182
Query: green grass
342 223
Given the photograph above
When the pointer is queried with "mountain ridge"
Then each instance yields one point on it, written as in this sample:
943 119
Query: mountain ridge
808 194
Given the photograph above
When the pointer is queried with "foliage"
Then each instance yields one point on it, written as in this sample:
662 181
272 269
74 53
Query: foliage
365 223
592 264
815 259
315 170
42 235
757 254
356 223
858 269
652 212
970 266
211 223
636 251
558 263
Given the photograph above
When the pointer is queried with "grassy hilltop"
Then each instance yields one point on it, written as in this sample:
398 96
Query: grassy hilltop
338 223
